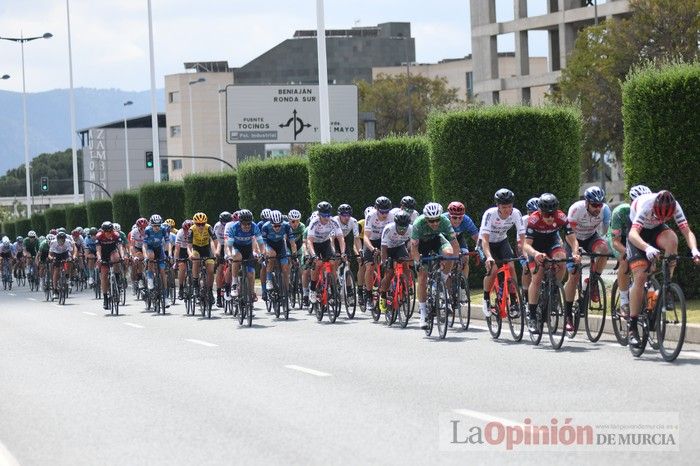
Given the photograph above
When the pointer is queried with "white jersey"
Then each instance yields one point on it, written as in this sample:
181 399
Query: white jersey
583 224
642 213
391 238
137 237
78 242
346 228
220 232
396 210
497 228
182 239
374 226
319 232
57 248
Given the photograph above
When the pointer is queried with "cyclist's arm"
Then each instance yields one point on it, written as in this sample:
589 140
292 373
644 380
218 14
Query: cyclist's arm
617 244
636 239
690 238
485 246
384 252
414 250
528 249
98 249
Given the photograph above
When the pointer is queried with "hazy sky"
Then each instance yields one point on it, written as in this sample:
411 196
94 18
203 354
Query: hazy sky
110 37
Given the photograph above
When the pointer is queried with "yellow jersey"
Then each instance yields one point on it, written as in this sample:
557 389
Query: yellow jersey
201 236
361 227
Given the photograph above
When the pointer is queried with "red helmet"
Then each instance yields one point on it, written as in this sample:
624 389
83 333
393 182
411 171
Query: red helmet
53 231
75 233
234 216
187 224
455 208
664 205
142 223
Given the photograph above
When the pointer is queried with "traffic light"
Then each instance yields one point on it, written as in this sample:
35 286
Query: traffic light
44 183
149 159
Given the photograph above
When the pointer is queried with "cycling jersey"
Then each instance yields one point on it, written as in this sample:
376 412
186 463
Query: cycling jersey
392 238
361 228
31 246
58 248
137 237
269 234
299 231
91 244
497 228
583 224
642 214
374 225
201 237
466 225
220 232
538 229
235 235
108 237
19 247
423 232
320 232
79 242
156 239
7 248
346 228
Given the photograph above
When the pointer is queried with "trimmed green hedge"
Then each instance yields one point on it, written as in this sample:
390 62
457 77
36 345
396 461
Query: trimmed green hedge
76 216
279 183
9 230
357 173
125 208
661 111
211 193
39 223
55 218
22 227
99 211
166 199
529 150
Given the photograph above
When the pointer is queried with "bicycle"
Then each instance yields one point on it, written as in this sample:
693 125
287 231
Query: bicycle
188 287
155 296
550 306
460 295
437 299
19 274
619 320
398 303
506 288
32 277
277 298
62 280
114 294
243 303
348 288
373 289
6 275
664 306
296 291
327 294
593 312
204 290
47 279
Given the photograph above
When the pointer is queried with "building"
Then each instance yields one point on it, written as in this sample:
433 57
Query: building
207 133
104 158
459 73
563 21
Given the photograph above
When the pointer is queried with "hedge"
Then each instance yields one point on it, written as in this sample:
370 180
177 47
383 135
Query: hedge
39 224
22 227
660 112
278 183
166 199
55 218
76 216
211 193
357 173
99 211
529 150
125 208
9 230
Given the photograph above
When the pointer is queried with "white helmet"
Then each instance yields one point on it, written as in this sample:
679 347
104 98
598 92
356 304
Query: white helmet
432 210
5 240
636 191
276 217
31 234
117 226
294 215
50 237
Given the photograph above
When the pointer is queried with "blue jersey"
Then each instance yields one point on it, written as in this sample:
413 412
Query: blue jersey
91 243
466 225
235 234
156 239
269 233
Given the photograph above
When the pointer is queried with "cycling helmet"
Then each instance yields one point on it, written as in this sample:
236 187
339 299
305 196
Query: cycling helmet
664 205
276 217
548 203
142 223
156 219
53 231
368 211
455 208
407 202
19 239
199 217
265 214
382 203
533 204
187 224
636 191
117 226
595 195
5 240
294 215
234 216
42 238
285 218
107 226
32 234
225 216
504 196
432 210
93 231
61 235
62 229
245 215
402 219
80 229
170 222
324 208
344 209
75 233
50 237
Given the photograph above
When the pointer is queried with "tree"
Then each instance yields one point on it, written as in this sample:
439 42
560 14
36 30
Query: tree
388 98
57 166
657 30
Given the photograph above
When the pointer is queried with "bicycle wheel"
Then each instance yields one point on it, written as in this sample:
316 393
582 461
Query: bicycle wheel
284 299
412 292
670 328
619 323
442 307
333 299
454 297
292 289
402 302
350 294
594 318
556 327
389 314
274 295
577 308
494 321
114 296
651 322
536 335
643 332
516 312
172 291
465 303
374 296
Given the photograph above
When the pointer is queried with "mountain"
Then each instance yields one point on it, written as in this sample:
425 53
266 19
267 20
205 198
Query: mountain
48 115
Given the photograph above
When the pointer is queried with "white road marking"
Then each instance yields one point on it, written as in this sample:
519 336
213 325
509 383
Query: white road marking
32 299
690 354
89 313
6 458
133 325
12 294
307 370
200 342
486 417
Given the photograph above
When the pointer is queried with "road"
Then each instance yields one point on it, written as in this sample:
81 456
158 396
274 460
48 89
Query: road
80 387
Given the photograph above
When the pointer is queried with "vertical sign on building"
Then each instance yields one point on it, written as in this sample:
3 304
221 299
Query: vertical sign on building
98 162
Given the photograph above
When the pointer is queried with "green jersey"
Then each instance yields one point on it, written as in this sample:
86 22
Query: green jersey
31 245
424 232
44 246
620 223
299 231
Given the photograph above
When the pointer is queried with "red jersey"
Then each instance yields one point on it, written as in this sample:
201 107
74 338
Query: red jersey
537 228
108 237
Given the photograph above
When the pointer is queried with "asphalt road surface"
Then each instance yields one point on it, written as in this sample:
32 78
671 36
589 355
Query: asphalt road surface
78 387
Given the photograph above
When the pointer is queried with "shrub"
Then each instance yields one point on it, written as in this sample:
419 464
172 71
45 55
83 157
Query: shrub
55 218
9 230
39 223
166 199
99 211
125 208
22 227
76 216
211 193
279 183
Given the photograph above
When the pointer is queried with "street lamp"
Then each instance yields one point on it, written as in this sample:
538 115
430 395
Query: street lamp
221 130
5 76
71 95
21 39
126 143
200 80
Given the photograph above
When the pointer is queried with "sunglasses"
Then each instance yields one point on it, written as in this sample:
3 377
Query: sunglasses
456 217
383 212
246 224
294 222
595 205
433 220
276 225
200 224
325 215
344 215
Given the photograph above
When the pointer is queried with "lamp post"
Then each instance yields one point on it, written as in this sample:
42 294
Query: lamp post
126 144
73 130
154 108
221 130
21 39
189 87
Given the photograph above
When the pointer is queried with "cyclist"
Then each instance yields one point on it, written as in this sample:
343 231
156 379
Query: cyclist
275 235
408 205
298 229
463 225
395 236
43 256
495 224
432 234
181 254
531 207
79 245
60 249
240 246
18 255
219 234
156 246
318 242
6 252
542 240
585 218
202 243
647 236
348 224
109 251
361 263
136 236
264 217
375 222
31 246
617 243
91 253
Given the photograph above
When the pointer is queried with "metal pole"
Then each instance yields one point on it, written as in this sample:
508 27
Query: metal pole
325 122
221 131
189 88
154 107
71 94
26 136
408 94
595 10
126 145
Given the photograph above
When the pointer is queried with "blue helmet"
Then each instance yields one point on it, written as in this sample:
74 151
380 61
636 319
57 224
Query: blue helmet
594 194
533 204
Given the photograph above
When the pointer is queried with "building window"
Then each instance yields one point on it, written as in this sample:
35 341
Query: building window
177 164
470 85
173 97
175 131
